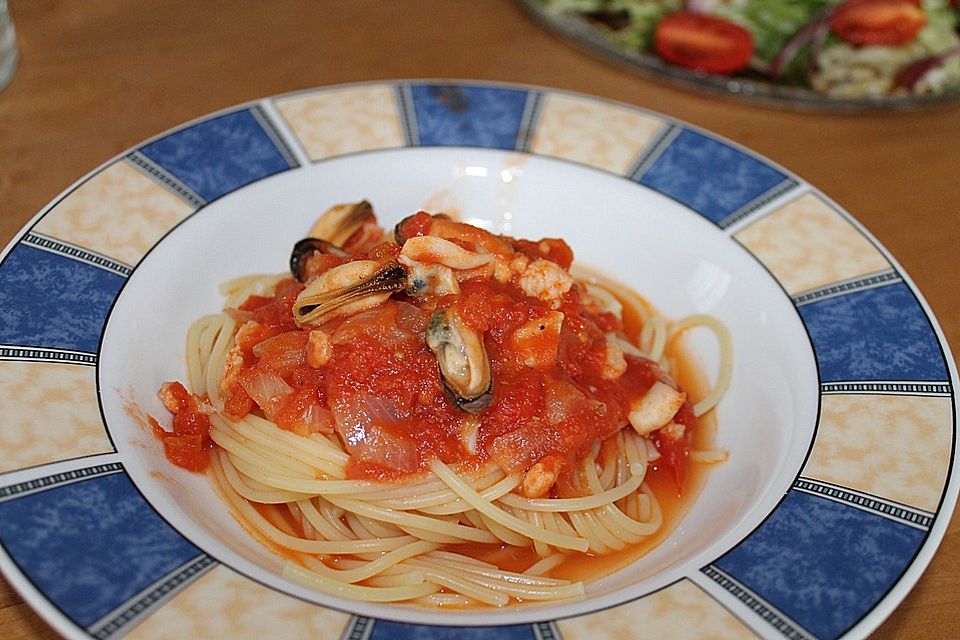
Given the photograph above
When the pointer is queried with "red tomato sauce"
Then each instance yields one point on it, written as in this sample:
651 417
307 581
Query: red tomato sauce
188 442
378 388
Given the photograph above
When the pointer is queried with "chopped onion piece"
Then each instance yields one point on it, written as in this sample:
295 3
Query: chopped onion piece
364 423
266 389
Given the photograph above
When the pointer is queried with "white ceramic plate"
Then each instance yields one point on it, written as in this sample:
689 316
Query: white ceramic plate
840 420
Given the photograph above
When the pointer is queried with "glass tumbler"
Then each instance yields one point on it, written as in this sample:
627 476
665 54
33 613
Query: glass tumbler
8 45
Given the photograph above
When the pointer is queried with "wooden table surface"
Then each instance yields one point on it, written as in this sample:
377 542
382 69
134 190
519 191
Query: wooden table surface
99 76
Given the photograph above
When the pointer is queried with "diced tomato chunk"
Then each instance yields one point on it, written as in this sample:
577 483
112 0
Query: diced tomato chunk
384 251
553 249
187 444
416 225
318 263
254 302
278 312
187 452
238 404
158 431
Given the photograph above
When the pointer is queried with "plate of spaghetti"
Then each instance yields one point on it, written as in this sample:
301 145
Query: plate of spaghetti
410 359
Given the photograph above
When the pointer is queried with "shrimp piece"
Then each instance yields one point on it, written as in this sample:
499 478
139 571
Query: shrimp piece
541 476
546 281
231 369
506 267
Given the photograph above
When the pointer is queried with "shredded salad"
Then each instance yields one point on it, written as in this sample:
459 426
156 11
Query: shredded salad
843 49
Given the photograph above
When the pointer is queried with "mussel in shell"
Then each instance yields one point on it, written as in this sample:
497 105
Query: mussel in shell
348 289
341 221
462 360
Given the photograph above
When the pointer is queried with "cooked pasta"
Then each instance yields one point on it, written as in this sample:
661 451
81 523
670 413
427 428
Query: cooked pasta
370 438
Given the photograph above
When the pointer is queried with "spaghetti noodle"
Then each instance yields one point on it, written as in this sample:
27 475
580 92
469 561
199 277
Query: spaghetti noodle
443 417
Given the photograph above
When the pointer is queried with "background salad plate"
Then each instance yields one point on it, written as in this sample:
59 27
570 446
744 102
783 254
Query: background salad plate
849 78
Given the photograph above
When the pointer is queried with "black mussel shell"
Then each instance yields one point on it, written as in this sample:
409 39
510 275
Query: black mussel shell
306 247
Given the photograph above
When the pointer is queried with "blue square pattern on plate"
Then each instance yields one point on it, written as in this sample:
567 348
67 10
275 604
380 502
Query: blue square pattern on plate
709 176
219 155
874 335
113 542
385 630
50 300
822 563
468 116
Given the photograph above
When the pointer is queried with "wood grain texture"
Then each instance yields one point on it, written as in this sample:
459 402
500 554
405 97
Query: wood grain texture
99 76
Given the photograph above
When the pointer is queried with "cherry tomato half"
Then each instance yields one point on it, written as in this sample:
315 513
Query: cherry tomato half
883 22
698 41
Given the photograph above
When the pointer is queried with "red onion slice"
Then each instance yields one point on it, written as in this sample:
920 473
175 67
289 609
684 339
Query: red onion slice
816 30
696 6
910 76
